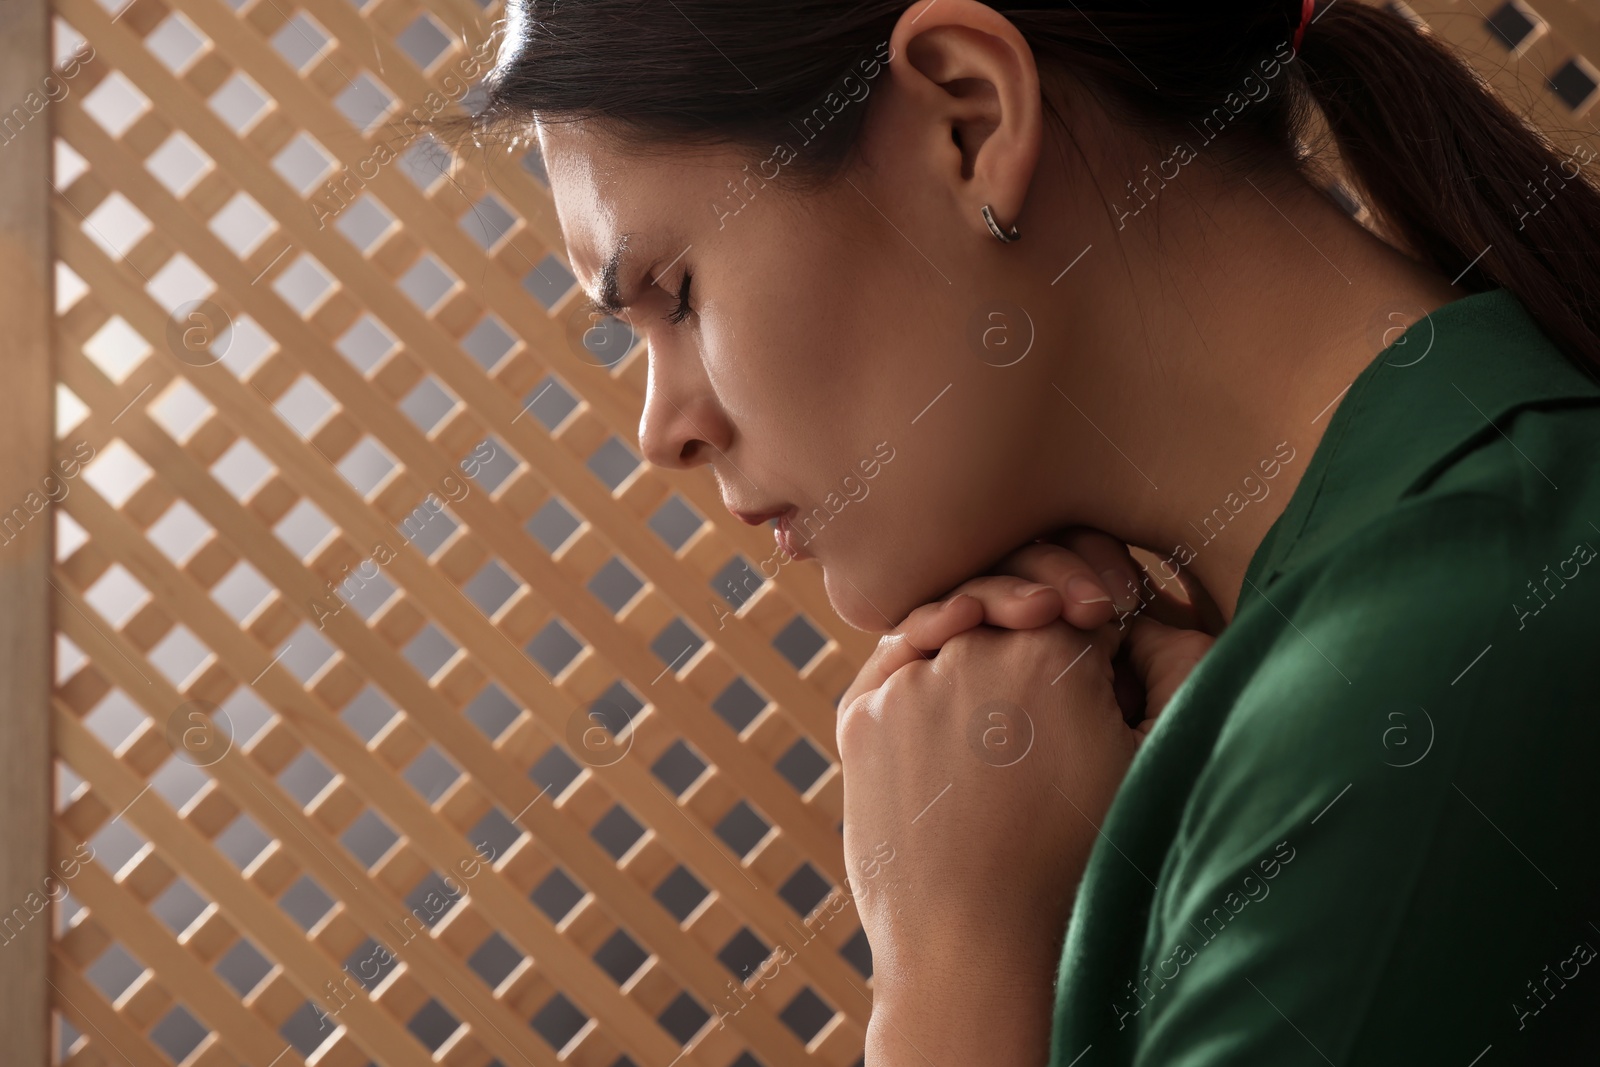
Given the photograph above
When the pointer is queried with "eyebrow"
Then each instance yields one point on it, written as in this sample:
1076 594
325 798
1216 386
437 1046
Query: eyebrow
610 300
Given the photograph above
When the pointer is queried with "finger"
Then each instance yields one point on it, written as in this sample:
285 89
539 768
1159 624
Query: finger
1163 656
1132 584
1086 602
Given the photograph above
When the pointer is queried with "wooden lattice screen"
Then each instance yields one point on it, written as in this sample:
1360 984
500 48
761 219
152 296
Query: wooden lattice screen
400 715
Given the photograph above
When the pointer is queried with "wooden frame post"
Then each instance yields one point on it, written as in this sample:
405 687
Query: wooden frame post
27 437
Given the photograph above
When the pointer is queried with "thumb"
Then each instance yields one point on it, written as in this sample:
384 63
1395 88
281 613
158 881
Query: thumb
1162 656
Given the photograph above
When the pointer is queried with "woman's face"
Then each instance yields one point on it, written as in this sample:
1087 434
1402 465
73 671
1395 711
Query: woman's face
850 354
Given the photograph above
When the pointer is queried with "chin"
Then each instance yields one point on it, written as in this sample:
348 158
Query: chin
862 609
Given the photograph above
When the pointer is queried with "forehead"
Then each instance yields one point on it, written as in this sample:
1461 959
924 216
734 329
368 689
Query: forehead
590 191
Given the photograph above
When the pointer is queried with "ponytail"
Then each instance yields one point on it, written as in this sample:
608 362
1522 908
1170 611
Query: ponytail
1453 175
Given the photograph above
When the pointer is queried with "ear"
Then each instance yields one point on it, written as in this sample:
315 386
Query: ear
973 88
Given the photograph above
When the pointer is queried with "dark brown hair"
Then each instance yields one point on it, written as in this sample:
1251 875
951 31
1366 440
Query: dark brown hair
1448 171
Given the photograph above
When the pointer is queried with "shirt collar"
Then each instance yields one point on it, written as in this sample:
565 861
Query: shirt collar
1432 395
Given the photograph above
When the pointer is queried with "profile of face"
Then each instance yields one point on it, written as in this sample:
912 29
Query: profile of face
919 397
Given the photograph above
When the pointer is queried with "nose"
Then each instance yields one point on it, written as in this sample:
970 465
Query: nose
682 425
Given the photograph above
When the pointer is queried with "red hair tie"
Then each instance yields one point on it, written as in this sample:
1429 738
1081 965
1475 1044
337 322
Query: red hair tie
1305 19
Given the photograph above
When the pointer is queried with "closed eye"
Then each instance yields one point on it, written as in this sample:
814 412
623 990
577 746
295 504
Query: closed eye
682 310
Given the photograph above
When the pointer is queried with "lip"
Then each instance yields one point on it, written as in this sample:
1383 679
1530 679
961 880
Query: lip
783 534
756 518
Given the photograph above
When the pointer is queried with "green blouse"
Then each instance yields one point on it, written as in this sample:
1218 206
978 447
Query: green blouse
1364 830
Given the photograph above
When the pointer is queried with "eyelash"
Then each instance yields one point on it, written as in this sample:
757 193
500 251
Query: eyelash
682 311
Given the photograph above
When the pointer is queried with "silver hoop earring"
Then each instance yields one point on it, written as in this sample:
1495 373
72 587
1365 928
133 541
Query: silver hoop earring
994 227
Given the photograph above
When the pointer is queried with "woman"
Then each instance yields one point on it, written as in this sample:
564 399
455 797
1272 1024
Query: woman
928 283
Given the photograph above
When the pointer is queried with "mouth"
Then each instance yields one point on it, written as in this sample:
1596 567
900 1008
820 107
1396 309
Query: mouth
783 533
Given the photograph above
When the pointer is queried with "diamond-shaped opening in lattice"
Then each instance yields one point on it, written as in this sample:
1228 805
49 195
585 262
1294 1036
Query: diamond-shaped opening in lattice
116 226
242 224
428 525
550 402
117 473
488 221
303 163
494 960
365 222
559 1022
67 43
431 899
369 964
606 340
737 582
249 345
492 837
116 348
683 1018
176 42
488 342
678 768
615 584
617 831
426 161
433 1025
301 40
428 403
739 704
430 650
857 952
67 165
114 719
365 589
369 838
554 771
247 714
178 282
533 163
805 889
1575 83
304 285
548 281
308 1027
368 712
178 164
304 528
69 290
366 465
366 343
553 524
364 102
675 522
676 645
304 405
305 902
802 765
69 537
744 953
239 102
242 967
806 1015
427 283
179 656
742 829
1513 24
557 894
241 591
116 843
492 711
490 463
69 659
113 971
681 893
431 774
799 642
305 777
304 653
178 905
178 1033
179 408
424 40
242 841
620 956
178 782
116 595
242 469
475 97
553 648
115 104
491 587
